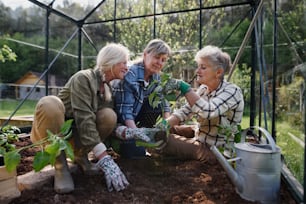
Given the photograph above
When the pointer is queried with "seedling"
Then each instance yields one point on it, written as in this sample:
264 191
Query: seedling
51 147
232 135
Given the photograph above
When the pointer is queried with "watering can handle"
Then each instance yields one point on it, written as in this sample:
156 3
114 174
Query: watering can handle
268 136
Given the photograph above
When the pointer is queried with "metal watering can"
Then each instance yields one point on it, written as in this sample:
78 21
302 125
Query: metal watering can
257 174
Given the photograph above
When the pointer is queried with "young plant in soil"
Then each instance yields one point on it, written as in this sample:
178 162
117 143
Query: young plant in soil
51 147
232 135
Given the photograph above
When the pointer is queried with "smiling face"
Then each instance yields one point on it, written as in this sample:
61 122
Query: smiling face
208 73
112 61
154 63
117 71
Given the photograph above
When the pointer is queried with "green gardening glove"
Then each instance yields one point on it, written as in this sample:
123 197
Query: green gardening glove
176 84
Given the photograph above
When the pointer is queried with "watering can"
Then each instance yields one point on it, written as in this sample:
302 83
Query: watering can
257 172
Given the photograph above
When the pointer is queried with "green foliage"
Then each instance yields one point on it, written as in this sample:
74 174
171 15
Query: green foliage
232 135
155 100
242 78
180 30
53 145
288 102
292 19
293 152
8 135
7 54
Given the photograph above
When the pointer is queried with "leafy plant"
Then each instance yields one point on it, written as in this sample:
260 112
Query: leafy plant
8 135
232 135
52 145
7 54
172 96
156 99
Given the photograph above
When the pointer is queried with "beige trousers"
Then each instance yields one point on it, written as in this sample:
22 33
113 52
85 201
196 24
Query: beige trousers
50 115
182 143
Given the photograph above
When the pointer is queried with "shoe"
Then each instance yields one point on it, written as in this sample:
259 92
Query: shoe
63 182
85 165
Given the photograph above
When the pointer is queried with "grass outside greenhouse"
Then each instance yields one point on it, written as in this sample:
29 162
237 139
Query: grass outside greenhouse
7 106
293 151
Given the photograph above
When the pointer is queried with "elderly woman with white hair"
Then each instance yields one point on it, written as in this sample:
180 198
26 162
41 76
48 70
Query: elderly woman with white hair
216 102
87 99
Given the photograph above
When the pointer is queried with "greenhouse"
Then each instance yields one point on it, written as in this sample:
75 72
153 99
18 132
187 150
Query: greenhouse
43 43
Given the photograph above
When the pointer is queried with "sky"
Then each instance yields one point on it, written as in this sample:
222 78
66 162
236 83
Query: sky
15 3
25 3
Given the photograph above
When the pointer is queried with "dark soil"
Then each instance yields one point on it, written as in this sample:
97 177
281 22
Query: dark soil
155 179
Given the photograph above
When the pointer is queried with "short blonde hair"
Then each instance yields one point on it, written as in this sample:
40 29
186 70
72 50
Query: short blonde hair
217 57
110 55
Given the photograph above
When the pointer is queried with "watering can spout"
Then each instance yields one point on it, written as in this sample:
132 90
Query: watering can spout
235 178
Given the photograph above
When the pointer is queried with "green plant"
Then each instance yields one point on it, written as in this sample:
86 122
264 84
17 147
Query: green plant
232 135
51 147
156 99
7 54
173 97
8 135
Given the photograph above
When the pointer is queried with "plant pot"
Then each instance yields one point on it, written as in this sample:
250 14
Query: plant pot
8 185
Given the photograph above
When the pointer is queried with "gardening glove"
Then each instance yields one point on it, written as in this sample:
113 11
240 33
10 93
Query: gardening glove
176 84
114 177
158 138
151 133
126 133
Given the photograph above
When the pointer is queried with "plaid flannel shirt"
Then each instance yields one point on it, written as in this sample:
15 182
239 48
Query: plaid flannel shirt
223 106
131 92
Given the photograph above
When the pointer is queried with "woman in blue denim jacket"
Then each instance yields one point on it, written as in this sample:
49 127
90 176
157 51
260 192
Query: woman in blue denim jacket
131 94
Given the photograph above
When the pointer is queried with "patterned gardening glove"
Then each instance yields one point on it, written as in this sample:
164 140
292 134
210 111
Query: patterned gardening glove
158 138
151 133
114 177
126 133
176 84
139 133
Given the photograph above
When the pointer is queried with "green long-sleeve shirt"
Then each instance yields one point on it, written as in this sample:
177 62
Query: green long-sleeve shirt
82 100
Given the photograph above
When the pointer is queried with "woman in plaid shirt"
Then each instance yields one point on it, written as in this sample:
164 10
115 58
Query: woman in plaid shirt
216 102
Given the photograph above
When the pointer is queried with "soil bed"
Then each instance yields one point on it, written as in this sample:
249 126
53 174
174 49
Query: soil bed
155 179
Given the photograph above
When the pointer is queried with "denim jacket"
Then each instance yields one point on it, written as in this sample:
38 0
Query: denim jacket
131 92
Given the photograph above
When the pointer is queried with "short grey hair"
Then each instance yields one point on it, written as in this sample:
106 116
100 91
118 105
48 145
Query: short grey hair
110 55
216 56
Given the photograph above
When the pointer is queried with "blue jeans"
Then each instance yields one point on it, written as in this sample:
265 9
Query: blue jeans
128 149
